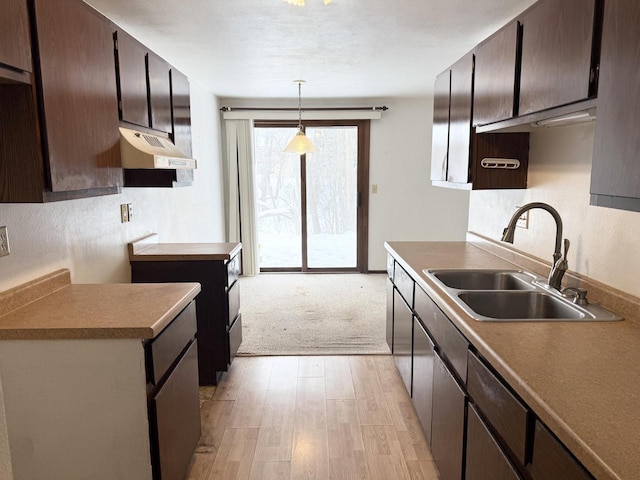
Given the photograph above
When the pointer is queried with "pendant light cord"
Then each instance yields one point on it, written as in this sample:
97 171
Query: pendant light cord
300 106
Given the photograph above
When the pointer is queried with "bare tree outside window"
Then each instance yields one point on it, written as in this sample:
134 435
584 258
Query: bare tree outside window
331 189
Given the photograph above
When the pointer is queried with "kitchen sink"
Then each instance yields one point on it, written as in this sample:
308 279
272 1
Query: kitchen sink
512 296
501 305
485 279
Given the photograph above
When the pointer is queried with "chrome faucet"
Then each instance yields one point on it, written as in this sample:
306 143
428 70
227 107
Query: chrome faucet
559 265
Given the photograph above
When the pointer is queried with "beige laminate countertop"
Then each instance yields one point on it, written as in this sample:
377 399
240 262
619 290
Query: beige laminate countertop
156 252
582 379
100 311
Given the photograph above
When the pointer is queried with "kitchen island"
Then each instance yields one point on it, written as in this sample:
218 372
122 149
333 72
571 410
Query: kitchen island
86 372
580 379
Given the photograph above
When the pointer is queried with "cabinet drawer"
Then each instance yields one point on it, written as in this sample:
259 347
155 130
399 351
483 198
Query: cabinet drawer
505 413
485 458
235 338
404 283
177 418
552 460
233 297
166 347
390 263
233 270
452 344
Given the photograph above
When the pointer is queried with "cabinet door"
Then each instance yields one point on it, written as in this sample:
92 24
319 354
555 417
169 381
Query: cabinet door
556 54
402 338
423 358
389 333
181 110
159 93
440 139
448 422
495 77
616 158
181 120
79 96
15 42
552 460
485 459
460 123
132 79
177 417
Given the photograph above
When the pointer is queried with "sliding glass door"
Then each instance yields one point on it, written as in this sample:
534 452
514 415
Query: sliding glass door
278 199
312 208
332 197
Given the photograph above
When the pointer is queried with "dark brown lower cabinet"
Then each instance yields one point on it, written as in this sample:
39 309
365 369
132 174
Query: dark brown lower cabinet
423 358
402 338
508 417
552 460
176 409
218 305
390 314
448 422
485 458
173 396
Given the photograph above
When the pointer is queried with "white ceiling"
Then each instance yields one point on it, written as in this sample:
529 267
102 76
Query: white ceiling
347 49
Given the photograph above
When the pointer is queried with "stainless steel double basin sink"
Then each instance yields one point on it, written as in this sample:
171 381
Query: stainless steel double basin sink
512 296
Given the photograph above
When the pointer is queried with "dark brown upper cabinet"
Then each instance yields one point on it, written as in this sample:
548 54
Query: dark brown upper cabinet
15 40
154 96
494 96
453 98
181 121
159 93
132 79
559 55
440 137
181 111
60 136
615 174
458 151
460 104
144 85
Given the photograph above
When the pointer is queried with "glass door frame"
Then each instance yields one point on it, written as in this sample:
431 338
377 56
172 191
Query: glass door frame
362 244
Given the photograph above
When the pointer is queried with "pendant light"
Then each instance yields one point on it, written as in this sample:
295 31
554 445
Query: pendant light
300 144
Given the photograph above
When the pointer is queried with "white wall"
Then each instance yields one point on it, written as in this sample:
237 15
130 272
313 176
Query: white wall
604 241
406 206
86 235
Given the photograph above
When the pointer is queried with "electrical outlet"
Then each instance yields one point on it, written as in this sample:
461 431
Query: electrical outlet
374 188
523 220
4 242
124 213
130 211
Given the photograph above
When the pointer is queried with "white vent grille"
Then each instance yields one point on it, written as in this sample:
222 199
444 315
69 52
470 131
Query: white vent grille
153 141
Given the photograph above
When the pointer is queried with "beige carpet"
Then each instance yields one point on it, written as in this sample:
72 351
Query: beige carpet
313 314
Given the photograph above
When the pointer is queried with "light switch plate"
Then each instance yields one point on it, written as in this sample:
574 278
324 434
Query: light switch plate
4 242
124 213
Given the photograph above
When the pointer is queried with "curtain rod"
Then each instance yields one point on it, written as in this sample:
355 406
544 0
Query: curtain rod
307 109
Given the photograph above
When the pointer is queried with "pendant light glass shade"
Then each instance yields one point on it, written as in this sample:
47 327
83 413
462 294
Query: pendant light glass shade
300 144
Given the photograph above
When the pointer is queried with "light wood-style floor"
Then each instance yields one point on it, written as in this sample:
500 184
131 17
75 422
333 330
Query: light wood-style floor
310 418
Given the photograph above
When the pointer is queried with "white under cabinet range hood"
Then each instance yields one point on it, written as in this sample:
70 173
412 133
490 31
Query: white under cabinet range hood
147 151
